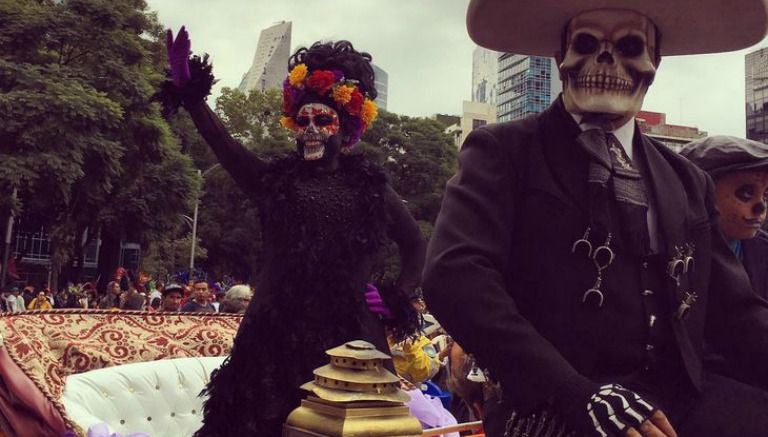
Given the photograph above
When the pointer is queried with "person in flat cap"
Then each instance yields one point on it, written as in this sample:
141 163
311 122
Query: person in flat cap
739 168
580 261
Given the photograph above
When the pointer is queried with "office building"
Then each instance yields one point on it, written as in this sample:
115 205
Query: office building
382 84
485 73
756 94
654 124
526 85
270 62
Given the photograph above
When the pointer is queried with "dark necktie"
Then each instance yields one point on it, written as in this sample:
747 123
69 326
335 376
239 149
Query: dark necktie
613 177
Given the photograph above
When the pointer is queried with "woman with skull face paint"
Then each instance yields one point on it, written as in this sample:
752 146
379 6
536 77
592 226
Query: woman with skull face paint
739 168
325 212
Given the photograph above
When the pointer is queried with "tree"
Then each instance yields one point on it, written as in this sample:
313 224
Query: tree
80 139
420 157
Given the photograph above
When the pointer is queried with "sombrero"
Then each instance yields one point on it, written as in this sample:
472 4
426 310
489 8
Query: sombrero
533 27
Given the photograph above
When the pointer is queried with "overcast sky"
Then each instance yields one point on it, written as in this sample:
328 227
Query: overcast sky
423 45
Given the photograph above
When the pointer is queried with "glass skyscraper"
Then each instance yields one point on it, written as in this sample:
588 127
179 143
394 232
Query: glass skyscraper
527 85
382 86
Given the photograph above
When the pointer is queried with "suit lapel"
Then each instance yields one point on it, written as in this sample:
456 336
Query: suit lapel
670 202
564 159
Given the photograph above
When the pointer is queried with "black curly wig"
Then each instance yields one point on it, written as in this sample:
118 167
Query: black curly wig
339 55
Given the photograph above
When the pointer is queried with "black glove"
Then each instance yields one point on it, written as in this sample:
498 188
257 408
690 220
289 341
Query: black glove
614 409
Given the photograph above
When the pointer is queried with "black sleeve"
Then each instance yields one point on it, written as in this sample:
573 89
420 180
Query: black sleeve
737 318
243 165
403 230
465 280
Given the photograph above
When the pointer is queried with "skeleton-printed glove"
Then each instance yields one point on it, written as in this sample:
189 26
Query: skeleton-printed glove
375 303
178 56
614 409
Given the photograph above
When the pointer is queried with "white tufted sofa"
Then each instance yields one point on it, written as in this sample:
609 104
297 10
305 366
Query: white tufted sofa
159 398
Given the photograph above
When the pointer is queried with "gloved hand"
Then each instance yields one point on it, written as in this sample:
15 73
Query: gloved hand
375 303
178 56
614 410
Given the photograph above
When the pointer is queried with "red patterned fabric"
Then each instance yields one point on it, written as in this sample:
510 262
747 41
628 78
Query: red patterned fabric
50 345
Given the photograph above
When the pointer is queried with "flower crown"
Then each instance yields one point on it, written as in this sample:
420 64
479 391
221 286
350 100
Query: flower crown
344 92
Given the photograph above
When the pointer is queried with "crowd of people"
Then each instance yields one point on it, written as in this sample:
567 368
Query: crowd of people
194 296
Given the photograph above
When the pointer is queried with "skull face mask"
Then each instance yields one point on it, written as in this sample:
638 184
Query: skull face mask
608 65
317 123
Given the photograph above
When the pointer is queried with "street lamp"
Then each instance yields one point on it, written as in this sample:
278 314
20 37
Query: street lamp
194 219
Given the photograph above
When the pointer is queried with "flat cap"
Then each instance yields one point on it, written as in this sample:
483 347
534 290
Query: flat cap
722 154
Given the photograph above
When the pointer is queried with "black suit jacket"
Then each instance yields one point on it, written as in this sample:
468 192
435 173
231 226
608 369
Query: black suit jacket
755 262
500 275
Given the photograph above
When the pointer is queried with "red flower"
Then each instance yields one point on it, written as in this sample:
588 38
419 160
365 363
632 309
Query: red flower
355 103
321 81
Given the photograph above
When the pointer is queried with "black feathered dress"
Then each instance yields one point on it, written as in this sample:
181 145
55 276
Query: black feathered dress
321 231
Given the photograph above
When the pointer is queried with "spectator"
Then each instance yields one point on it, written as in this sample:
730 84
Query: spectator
28 295
11 304
112 298
20 305
133 300
415 358
41 302
201 299
236 299
154 304
218 296
172 295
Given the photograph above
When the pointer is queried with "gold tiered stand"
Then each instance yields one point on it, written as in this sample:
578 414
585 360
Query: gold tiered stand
353 396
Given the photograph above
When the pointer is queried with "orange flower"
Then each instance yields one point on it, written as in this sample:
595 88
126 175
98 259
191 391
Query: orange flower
342 94
288 123
369 112
297 75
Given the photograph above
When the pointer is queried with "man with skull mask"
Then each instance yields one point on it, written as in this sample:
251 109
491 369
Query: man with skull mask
580 261
324 213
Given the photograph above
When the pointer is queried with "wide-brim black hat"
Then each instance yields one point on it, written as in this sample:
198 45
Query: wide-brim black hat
721 154
533 27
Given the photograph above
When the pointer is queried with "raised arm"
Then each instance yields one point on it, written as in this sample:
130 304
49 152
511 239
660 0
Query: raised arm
191 81
244 166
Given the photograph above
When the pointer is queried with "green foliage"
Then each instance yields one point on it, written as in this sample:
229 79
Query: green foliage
254 119
80 138
420 158
164 256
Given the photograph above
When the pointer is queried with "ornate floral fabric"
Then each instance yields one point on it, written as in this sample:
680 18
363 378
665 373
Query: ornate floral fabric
50 345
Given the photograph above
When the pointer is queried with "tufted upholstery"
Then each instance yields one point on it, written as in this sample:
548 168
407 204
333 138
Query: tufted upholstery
159 398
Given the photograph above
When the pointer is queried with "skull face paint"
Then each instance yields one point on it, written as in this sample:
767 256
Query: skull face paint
608 65
741 199
317 123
